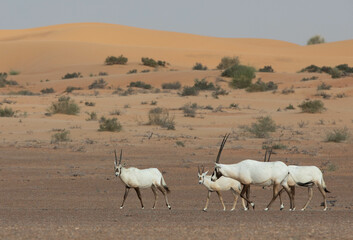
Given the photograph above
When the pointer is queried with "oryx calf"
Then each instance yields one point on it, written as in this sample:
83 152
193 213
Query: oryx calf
222 184
306 176
140 178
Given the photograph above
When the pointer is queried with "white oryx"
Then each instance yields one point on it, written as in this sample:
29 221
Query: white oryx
251 172
140 178
222 184
306 176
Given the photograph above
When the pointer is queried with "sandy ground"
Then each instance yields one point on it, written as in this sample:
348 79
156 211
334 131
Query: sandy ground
67 190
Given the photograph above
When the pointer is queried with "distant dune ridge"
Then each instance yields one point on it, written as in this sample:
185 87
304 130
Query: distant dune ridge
46 48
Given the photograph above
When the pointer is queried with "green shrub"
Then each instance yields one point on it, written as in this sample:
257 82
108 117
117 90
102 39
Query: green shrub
261 86
14 72
203 84
336 73
72 75
174 85
160 116
69 89
266 69
311 68
102 74
109 124
308 79
64 105
4 82
262 127
92 116
290 107
337 135
90 104
345 68
132 71
323 86
227 62
242 75
6 112
110 60
24 93
61 136
219 91
199 66
140 84
190 91
99 83
312 106
317 39
47 90
150 62
189 110
180 143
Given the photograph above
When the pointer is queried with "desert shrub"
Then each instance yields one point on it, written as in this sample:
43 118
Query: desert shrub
99 83
69 89
109 124
317 39
189 110
115 112
219 91
145 71
261 86
311 68
266 69
309 79
160 116
140 84
336 73
90 104
92 116
288 90
64 105
47 90
242 75
234 105
4 82
262 127
323 86
227 62
61 136
180 143
102 74
190 91
14 72
6 112
199 66
132 71
72 75
150 62
323 95
345 68
110 60
312 106
24 93
290 107
337 135
174 85
203 84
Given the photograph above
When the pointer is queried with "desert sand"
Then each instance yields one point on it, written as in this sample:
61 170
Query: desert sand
67 190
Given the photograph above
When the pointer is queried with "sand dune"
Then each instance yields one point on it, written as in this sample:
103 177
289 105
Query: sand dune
47 48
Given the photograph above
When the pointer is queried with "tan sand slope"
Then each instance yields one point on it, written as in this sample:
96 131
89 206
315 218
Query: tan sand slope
48 48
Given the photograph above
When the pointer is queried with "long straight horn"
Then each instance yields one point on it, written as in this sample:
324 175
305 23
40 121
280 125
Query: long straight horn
265 156
116 158
221 147
198 169
203 168
121 156
269 155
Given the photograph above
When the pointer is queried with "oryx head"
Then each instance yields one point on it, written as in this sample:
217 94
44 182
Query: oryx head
118 166
217 172
201 174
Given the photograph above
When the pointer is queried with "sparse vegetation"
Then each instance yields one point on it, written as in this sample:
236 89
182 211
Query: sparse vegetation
219 91
309 79
227 62
242 75
290 107
14 72
6 112
150 62
262 127
261 86
335 72
312 106
189 110
4 82
199 66
323 86
98 84
266 69
24 93
190 91
174 85
64 105
132 71
47 90
140 84
69 89
203 84
160 116
337 135
72 75
92 116
180 143
61 136
109 124
317 39
110 60
90 104
288 90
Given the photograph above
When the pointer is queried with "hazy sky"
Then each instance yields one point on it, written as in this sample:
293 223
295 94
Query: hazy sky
289 20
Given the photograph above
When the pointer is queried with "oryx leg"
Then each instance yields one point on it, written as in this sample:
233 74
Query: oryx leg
292 189
221 199
125 196
274 196
291 200
242 194
280 199
248 196
154 190
139 196
321 189
310 194
236 195
207 200
165 196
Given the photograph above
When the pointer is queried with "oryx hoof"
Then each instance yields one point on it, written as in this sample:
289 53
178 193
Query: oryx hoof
325 209
266 209
303 209
121 207
253 205
169 207
281 208
205 209
143 208
232 209
246 209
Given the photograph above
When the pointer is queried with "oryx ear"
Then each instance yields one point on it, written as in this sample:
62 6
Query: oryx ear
206 172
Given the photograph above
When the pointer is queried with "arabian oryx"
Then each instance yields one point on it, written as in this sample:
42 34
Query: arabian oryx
140 178
306 176
249 172
222 184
